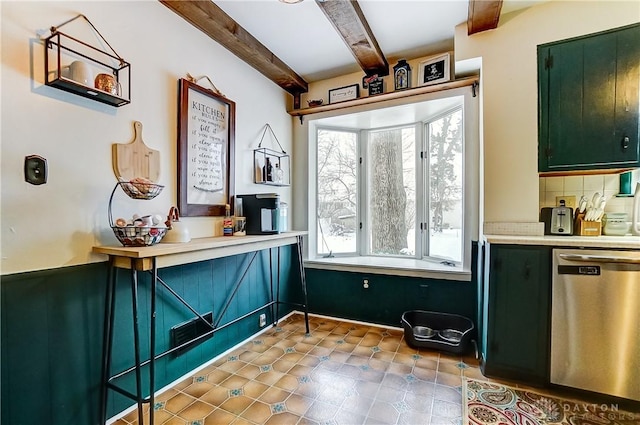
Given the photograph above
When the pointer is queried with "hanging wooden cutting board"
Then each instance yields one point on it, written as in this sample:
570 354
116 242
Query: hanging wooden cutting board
135 159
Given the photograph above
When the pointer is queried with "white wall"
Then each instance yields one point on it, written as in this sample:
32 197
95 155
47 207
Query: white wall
509 85
56 224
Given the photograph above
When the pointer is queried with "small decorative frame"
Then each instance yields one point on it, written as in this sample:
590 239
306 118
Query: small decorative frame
401 75
344 93
436 69
206 137
376 86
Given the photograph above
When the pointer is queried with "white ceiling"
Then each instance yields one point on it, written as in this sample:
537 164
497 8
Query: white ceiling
303 38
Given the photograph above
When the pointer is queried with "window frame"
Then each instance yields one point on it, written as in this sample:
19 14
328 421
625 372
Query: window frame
426 169
364 188
314 222
472 181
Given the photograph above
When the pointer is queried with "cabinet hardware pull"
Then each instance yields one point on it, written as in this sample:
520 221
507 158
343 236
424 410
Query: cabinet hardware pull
625 142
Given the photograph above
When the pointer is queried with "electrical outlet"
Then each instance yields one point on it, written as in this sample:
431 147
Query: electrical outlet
263 320
569 201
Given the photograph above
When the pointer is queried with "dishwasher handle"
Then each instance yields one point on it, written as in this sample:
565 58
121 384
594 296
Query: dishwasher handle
600 258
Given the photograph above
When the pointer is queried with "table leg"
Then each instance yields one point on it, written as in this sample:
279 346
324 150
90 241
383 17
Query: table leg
277 292
274 319
136 338
303 282
152 343
107 340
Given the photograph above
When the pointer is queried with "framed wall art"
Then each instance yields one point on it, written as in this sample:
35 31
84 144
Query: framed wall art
436 69
344 93
206 136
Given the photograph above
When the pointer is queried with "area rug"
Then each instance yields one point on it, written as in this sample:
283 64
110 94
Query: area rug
489 403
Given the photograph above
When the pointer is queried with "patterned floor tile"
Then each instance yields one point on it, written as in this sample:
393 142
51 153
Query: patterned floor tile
340 373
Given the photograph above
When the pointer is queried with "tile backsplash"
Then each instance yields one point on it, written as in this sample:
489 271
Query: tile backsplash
607 184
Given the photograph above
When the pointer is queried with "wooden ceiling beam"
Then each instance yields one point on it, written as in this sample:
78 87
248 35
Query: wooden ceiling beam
349 21
214 22
483 15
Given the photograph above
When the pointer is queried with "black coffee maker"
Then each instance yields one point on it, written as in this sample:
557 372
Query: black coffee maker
262 211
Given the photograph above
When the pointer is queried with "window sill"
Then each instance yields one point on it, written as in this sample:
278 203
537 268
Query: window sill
391 266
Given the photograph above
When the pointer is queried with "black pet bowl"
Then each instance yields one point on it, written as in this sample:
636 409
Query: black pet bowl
438 331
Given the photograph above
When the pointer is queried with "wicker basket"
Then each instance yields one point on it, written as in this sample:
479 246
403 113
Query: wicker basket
141 190
139 235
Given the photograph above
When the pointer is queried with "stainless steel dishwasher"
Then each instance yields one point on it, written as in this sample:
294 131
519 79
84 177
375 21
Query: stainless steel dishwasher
595 321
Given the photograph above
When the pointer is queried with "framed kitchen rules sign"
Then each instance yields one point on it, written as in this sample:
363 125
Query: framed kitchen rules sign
206 135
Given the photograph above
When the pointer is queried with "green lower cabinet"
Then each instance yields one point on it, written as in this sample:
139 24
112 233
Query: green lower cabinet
516 313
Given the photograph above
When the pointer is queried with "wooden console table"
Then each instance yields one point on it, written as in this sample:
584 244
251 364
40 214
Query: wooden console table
149 260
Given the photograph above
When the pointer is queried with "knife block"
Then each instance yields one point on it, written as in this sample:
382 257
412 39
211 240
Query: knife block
586 228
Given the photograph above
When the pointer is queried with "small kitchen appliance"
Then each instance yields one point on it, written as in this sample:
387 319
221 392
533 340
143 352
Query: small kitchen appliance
557 220
262 211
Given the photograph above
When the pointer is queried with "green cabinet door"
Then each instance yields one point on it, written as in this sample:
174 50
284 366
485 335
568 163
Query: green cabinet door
517 313
588 102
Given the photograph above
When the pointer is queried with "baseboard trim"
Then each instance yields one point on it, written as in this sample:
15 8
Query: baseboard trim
357 322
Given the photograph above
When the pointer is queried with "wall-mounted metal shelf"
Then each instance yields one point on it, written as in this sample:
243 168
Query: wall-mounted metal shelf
63 50
271 167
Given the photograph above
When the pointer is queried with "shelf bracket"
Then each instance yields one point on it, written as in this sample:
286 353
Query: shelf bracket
301 119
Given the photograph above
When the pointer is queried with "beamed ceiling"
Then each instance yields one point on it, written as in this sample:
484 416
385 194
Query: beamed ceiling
346 17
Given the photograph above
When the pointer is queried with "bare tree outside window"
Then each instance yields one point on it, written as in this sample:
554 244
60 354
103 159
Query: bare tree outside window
337 191
391 196
445 186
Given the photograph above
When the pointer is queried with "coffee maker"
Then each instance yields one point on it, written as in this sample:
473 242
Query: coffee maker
262 211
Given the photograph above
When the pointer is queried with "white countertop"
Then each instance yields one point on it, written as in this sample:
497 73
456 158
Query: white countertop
608 242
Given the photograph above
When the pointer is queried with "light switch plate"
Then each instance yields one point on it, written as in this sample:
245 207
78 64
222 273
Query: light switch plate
569 201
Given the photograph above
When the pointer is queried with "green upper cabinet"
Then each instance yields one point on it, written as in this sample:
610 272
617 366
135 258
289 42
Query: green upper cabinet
588 102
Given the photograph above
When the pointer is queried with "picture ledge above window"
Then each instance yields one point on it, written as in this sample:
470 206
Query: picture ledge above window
463 82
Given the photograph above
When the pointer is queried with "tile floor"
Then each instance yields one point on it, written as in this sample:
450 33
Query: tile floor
340 374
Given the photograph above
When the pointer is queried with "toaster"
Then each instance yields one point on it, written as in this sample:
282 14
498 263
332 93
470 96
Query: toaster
557 220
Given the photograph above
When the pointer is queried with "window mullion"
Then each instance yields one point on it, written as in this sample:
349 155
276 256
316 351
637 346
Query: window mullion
426 192
420 191
362 240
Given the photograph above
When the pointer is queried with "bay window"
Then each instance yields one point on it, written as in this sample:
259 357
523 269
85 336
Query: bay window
396 187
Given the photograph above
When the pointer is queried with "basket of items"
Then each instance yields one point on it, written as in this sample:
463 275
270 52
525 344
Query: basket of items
141 188
144 230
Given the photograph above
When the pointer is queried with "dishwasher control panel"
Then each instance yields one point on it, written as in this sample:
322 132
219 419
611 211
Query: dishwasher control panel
580 270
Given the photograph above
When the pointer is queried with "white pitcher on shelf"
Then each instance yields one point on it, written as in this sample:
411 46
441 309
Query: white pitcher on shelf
78 71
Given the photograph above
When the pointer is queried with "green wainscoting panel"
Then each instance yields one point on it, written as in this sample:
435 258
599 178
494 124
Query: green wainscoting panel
341 294
52 330
51 345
